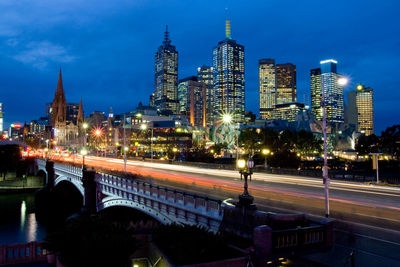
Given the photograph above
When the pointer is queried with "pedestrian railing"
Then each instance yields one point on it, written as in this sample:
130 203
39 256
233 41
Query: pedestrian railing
22 253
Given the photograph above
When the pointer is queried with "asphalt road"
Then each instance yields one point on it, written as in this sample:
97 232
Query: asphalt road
367 216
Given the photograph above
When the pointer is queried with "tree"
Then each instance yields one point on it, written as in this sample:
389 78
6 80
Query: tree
306 143
9 157
367 144
390 141
251 139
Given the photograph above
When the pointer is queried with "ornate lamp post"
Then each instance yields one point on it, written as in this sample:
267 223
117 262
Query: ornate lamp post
83 153
245 169
265 152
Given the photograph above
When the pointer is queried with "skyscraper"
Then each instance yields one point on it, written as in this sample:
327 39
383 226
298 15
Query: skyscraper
1 118
166 76
183 92
286 88
362 107
228 72
267 80
192 100
316 93
326 78
205 75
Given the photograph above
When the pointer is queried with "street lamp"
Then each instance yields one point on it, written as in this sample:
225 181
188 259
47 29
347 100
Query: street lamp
265 152
227 119
342 81
83 153
85 125
245 169
174 150
97 133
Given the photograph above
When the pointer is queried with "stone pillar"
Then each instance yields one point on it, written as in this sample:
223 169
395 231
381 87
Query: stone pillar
89 184
328 223
262 238
50 174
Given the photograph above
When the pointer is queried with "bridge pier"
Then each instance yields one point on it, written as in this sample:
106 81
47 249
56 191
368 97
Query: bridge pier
90 196
50 174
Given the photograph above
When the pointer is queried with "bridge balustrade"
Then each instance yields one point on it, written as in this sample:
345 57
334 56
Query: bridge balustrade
184 206
298 238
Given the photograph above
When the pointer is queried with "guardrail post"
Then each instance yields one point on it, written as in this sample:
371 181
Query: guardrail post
328 224
262 238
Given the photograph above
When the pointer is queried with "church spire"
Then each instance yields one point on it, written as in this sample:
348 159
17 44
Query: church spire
59 103
80 119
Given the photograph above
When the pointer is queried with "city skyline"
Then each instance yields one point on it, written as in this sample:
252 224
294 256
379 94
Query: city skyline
32 54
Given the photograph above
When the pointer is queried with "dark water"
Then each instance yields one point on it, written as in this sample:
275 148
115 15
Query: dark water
17 219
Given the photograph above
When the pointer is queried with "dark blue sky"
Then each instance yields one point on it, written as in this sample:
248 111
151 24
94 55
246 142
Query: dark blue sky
106 48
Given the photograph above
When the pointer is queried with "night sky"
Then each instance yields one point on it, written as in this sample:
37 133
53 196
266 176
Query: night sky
106 48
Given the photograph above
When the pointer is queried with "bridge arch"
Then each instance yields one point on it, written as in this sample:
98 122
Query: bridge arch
112 201
41 171
74 182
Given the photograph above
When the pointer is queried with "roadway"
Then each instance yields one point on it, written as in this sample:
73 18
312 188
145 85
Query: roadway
349 201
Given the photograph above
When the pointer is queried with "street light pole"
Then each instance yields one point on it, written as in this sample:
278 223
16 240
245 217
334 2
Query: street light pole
341 82
151 147
237 141
124 146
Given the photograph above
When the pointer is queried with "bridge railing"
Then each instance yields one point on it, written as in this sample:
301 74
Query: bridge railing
22 253
298 238
176 197
69 169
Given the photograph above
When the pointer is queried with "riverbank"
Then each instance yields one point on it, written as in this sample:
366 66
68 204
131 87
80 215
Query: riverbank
14 185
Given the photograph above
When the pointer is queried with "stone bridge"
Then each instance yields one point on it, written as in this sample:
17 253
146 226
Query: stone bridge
164 204
272 234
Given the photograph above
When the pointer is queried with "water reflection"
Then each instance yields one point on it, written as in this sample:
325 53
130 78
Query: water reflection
17 219
31 228
23 215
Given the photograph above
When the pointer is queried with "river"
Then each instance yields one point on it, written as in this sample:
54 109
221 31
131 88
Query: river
17 219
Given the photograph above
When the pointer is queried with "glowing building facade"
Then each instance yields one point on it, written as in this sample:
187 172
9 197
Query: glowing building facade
205 75
267 85
363 104
192 100
166 77
228 72
286 88
326 78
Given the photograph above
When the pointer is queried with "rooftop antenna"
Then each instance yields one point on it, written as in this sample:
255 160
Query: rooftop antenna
227 25
166 36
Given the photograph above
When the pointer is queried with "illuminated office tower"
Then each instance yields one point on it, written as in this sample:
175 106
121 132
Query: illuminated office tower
205 75
228 72
192 100
326 78
1 118
267 81
316 93
361 105
286 89
183 92
166 77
